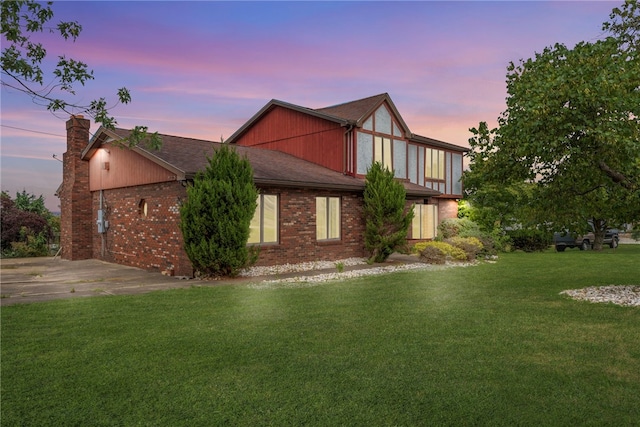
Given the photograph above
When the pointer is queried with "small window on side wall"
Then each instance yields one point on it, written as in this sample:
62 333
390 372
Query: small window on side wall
143 208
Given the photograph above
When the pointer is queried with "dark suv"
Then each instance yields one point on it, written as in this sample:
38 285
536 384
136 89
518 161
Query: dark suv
585 242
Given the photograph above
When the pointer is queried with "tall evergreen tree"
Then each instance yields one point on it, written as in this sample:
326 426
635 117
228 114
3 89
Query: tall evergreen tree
387 223
216 216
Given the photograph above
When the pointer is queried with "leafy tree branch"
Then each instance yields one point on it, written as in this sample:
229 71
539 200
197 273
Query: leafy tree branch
23 67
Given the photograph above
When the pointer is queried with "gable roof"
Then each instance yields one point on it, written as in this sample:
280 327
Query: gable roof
187 156
355 110
358 111
352 113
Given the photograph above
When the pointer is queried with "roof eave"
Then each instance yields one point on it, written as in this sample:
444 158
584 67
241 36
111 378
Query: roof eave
436 143
355 187
105 136
102 136
422 194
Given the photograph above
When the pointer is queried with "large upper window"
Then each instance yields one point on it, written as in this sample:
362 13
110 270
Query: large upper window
425 221
264 225
382 140
400 159
454 173
443 171
327 218
376 143
434 164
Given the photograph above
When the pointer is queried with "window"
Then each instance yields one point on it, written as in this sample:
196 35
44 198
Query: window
368 124
434 164
383 121
413 163
396 130
425 221
379 141
327 218
143 208
264 225
382 152
457 174
365 152
400 159
421 166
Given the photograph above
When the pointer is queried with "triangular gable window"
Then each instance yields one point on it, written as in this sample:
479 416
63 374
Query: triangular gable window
396 130
368 125
384 123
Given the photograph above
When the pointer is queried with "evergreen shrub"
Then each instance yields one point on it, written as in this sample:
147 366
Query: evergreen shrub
216 216
386 222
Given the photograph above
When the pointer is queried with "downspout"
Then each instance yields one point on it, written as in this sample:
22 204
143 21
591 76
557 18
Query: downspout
102 243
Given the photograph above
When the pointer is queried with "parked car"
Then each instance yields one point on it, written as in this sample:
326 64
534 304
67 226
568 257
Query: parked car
566 240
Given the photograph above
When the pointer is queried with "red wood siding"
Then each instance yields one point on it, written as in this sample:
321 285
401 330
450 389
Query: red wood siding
301 135
126 168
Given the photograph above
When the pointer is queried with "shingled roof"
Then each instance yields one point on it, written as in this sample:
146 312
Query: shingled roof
359 110
187 156
355 111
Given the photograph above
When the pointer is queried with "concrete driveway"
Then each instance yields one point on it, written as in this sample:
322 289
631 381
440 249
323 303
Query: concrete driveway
25 280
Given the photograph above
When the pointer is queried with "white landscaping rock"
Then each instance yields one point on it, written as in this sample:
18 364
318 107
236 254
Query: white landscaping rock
315 279
616 294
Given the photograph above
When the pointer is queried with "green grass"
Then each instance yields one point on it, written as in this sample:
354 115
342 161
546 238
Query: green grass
493 344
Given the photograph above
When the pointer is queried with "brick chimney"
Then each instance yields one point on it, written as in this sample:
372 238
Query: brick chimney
76 218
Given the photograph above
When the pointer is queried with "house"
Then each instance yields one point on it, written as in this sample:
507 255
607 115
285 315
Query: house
122 204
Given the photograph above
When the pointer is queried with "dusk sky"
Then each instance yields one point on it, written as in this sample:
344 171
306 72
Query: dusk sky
202 69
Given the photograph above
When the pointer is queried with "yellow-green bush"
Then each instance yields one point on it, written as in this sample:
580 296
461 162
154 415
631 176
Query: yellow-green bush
439 252
470 245
419 247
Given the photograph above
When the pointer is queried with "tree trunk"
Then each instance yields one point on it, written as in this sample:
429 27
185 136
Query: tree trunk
599 229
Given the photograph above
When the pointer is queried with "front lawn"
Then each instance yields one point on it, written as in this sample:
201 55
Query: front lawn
492 344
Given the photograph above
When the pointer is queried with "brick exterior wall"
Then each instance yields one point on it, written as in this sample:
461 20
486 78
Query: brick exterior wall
297 230
447 208
76 216
155 242
152 242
